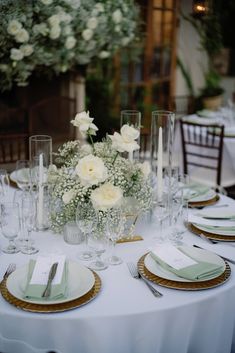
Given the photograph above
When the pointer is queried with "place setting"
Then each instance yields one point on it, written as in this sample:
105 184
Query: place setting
50 283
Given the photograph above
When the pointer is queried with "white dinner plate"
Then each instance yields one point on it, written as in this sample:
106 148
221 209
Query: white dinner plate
215 230
197 254
80 281
209 195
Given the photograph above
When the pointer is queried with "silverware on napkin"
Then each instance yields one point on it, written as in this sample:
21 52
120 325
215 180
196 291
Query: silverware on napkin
51 276
135 274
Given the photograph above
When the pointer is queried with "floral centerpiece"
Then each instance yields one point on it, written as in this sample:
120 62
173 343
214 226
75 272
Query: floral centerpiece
97 173
55 36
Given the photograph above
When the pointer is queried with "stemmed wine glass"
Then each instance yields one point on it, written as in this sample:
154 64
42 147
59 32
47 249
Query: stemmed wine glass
115 228
29 219
10 224
159 214
85 219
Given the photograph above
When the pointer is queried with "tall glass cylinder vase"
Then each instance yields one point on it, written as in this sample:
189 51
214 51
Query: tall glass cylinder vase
132 118
40 152
162 129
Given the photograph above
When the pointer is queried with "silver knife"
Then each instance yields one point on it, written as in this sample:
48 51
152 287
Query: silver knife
222 257
51 275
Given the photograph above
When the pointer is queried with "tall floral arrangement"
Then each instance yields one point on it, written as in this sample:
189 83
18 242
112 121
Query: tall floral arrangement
57 35
97 173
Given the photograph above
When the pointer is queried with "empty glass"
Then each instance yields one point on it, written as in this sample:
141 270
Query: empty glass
10 225
159 215
115 227
29 217
22 174
85 219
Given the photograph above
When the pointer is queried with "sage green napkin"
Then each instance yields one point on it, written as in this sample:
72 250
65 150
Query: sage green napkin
192 190
222 228
220 213
202 270
34 291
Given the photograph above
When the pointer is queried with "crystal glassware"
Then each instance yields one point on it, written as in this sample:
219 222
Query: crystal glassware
10 225
23 174
132 118
85 219
115 227
4 183
29 219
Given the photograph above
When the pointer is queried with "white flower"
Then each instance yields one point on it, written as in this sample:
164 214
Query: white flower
117 28
46 2
91 170
3 67
26 49
41 28
55 32
84 123
67 30
22 36
14 27
54 20
68 196
92 23
65 17
87 34
104 54
145 169
106 197
125 41
16 54
117 16
70 42
99 7
86 148
129 133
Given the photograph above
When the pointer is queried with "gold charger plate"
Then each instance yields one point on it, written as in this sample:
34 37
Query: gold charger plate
218 237
204 203
183 285
51 308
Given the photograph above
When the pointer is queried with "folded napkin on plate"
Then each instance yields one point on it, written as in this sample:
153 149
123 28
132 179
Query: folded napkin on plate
220 213
183 264
192 190
38 271
227 224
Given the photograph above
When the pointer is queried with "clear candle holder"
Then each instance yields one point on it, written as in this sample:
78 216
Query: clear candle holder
132 118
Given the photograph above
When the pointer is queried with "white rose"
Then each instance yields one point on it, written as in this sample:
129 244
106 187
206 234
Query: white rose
14 27
145 168
84 123
70 42
91 170
92 23
99 7
68 196
117 16
22 36
46 2
55 32
104 54
126 144
16 54
117 142
54 20
87 34
106 197
26 49
41 29
129 133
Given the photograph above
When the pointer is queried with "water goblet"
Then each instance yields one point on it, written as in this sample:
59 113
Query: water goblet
85 219
115 227
99 241
9 219
159 214
29 219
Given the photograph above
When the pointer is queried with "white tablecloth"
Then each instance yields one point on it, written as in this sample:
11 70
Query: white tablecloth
125 316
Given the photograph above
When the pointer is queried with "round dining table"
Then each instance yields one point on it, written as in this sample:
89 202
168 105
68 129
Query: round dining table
124 317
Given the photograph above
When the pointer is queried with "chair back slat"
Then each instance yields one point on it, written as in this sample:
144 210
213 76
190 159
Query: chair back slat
204 142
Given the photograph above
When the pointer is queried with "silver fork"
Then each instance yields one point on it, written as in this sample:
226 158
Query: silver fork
135 274
11 268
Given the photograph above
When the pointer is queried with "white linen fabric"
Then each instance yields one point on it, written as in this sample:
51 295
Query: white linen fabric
125 317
